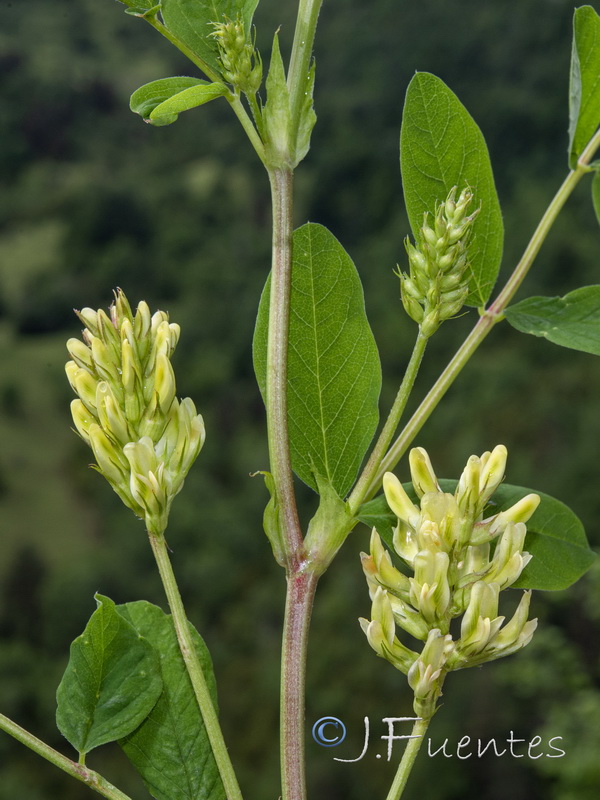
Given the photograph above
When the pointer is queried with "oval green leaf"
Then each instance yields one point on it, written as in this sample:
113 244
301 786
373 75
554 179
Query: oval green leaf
334 375
160 102
555 536
441 147
183 101
171 749
111 683
190 21
571 321
584 88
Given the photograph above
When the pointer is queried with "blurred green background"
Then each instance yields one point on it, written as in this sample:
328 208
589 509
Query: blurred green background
91 198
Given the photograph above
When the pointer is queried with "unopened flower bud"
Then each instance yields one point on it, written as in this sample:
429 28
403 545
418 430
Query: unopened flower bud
80 354
422 474
82 419
517 632
426 675
493 466
521 511
398 500
481 620
89 318
85 386
429 589
509 560
380 632
110 459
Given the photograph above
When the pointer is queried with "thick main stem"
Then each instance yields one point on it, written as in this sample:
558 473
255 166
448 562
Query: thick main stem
299 602
277 356
300 585
92 779
408 759
194 668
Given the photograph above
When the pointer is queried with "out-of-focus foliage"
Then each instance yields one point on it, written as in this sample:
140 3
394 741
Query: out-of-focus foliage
92 199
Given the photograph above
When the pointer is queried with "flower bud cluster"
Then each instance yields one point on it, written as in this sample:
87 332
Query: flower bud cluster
437 286
460 562
144 440
240 62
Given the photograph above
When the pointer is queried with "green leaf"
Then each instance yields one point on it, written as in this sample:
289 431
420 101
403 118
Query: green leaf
596 194
584 88
555 536
190 21
170 749
183 101
570 321
334 376
160 102
111 683
441 147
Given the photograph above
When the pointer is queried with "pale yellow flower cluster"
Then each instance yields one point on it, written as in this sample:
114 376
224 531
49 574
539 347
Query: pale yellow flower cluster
144 439
460 562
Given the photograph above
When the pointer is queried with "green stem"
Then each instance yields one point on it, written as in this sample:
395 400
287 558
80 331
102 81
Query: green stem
299 602
277 358
408 759
304 37
194 668
247 124
301 584
92 779
408 381
487 320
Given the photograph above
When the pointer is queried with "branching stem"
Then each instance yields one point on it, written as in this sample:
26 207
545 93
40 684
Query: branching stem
92 779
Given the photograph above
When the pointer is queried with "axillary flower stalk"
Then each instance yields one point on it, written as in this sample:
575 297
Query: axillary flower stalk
144 440
456 573
438 281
